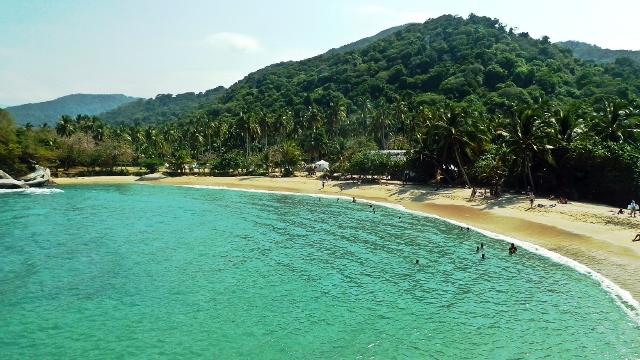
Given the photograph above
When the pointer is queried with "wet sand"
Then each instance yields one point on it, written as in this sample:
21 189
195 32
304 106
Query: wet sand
587 233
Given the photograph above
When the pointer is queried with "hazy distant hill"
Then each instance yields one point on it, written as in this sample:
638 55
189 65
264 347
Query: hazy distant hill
586 51
50 111
356 45
161 109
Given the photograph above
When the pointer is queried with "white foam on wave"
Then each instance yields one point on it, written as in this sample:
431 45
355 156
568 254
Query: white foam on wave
31 191
623 298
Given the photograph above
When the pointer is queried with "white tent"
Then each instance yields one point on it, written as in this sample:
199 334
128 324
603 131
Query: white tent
322 166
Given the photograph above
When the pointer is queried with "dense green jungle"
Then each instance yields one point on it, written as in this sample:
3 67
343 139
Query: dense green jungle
472 101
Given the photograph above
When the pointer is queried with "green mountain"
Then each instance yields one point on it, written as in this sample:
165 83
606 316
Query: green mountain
162 109
476 61
50 111
586 51
356 45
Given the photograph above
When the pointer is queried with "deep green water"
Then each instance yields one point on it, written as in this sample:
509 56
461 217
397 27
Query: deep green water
140 271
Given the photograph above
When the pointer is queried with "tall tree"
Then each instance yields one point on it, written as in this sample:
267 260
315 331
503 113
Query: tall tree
66 127
458 133
529 133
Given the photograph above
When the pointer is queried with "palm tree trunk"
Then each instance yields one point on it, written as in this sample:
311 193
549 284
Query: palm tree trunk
464 174
528 165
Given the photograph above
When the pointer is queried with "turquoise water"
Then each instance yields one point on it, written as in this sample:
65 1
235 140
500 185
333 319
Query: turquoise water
139 271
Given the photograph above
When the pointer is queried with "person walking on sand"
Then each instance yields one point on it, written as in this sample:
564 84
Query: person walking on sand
532 198
633 208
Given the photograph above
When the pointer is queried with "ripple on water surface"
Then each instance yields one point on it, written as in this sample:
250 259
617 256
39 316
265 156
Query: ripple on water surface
140 270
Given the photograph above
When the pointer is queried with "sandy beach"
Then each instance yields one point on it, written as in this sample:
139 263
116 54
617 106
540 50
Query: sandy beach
588 233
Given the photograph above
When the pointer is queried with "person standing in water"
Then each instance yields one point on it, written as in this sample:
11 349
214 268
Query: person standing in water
483 257
354 200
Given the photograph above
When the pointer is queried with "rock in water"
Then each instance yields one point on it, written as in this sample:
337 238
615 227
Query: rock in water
12 184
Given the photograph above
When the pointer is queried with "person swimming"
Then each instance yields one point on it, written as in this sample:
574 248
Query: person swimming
417 261
481 245
477 249
483 257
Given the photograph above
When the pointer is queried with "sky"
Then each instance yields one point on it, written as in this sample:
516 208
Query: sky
52 48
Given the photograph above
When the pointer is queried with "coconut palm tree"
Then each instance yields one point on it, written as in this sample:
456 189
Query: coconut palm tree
66 127
530 134
248 125
381 123
456 133
289 155
336 115
365 112
616 122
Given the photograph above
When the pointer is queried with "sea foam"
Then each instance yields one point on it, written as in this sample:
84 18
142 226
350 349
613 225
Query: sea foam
623 298
31 191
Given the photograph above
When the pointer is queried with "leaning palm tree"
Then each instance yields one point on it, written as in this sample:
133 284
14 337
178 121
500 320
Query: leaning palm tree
65 127
457 133
530 134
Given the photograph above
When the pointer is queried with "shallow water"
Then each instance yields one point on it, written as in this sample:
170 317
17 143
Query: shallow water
137 270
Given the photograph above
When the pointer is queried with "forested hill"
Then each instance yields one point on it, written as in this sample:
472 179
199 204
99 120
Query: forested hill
475 61
50 111
162 109
586 51
356 45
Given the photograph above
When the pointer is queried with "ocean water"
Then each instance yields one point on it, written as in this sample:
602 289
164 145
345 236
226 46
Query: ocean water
154 271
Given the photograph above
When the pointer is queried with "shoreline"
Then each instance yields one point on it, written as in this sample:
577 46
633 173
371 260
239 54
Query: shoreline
587 233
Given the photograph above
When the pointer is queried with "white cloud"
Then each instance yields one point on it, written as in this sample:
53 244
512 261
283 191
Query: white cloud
621 43
234 42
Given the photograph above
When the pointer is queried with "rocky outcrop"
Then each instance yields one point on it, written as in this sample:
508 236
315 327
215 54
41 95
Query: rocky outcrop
40 177
12 184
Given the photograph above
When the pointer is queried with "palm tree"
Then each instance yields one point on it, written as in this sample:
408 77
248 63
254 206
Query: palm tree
65 126
28 126
138 137
221 129
381 123
99 131
209 129
457 133
365 112
529 133
336 115
283 124
248 125
289 155
265 124
616 122
399 113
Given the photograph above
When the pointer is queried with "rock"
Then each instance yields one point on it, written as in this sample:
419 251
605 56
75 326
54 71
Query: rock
151 177
40 177
5 176
12 184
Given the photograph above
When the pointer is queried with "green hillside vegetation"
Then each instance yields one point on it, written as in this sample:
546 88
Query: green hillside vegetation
50 111
586 51
357 45
473 101
162 109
